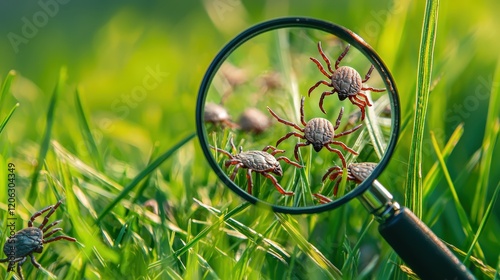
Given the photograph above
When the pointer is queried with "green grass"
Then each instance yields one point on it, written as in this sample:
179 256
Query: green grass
75 138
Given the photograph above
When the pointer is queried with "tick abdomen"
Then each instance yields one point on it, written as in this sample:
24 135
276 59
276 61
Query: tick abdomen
346 81
319 131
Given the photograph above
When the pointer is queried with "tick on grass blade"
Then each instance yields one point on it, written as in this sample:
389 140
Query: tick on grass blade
356 172
345 81
318 132
30 240
259 162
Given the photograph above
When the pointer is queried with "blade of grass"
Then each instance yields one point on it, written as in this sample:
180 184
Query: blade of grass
87 134
492 119
44 147
205 231
483 222
7 83
432 175
312 252
413 195
462 215
7 118
144 173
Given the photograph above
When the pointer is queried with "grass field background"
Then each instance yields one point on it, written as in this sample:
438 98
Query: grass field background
106 95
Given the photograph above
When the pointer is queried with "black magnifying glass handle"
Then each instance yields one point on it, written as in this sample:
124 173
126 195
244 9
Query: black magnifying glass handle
411 239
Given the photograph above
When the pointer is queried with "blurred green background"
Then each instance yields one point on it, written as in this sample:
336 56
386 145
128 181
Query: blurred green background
109 48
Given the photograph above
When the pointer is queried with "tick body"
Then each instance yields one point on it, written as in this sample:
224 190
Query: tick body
217 114
356 172
30 240
253 120
260 162
344 80
318 132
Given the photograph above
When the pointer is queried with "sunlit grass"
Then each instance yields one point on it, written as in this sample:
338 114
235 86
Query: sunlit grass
199 229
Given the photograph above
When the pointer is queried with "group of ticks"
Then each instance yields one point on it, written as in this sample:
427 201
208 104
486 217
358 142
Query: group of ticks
318 132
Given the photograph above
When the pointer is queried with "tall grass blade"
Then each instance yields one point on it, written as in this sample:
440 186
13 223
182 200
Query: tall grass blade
90 142
44 147
145 172
7 118
7 83
483 222
312 252
462 215
413 195
492 127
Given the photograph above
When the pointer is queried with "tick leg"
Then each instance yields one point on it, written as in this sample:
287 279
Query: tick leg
339 118
51 232
236 167
51 225
348 131
34 262
250 182
285 121
19 268
339 153
326 93
288 136
373 89
222 151
361 106
322 199
320 67
341 56
344 146
365 101
58 238
275 183
46 218
296 150
334 172
317 84
325 58
367 76
274 150
287 160
302 111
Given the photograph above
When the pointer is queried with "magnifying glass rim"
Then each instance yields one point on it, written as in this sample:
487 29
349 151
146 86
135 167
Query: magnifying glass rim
287 22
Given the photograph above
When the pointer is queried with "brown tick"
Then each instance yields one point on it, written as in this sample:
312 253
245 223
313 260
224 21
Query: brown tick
31 239
345 81
356 172
260 162
253 120
318 132
217 114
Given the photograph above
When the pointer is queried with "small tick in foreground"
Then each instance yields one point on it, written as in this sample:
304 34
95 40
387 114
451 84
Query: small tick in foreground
345 81
356 172
260 162
318 131
31 239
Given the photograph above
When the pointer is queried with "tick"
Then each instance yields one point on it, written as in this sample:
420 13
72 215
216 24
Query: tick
318 132
356 172
217 114
259 162
30 240
345 81
253 120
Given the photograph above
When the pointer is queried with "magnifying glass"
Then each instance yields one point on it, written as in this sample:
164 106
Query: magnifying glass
300 116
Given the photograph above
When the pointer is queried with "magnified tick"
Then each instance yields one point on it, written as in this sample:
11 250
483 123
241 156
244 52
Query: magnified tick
260 162
345 81
318 132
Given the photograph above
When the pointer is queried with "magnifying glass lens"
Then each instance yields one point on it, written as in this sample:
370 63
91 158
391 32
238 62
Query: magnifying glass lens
291 112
